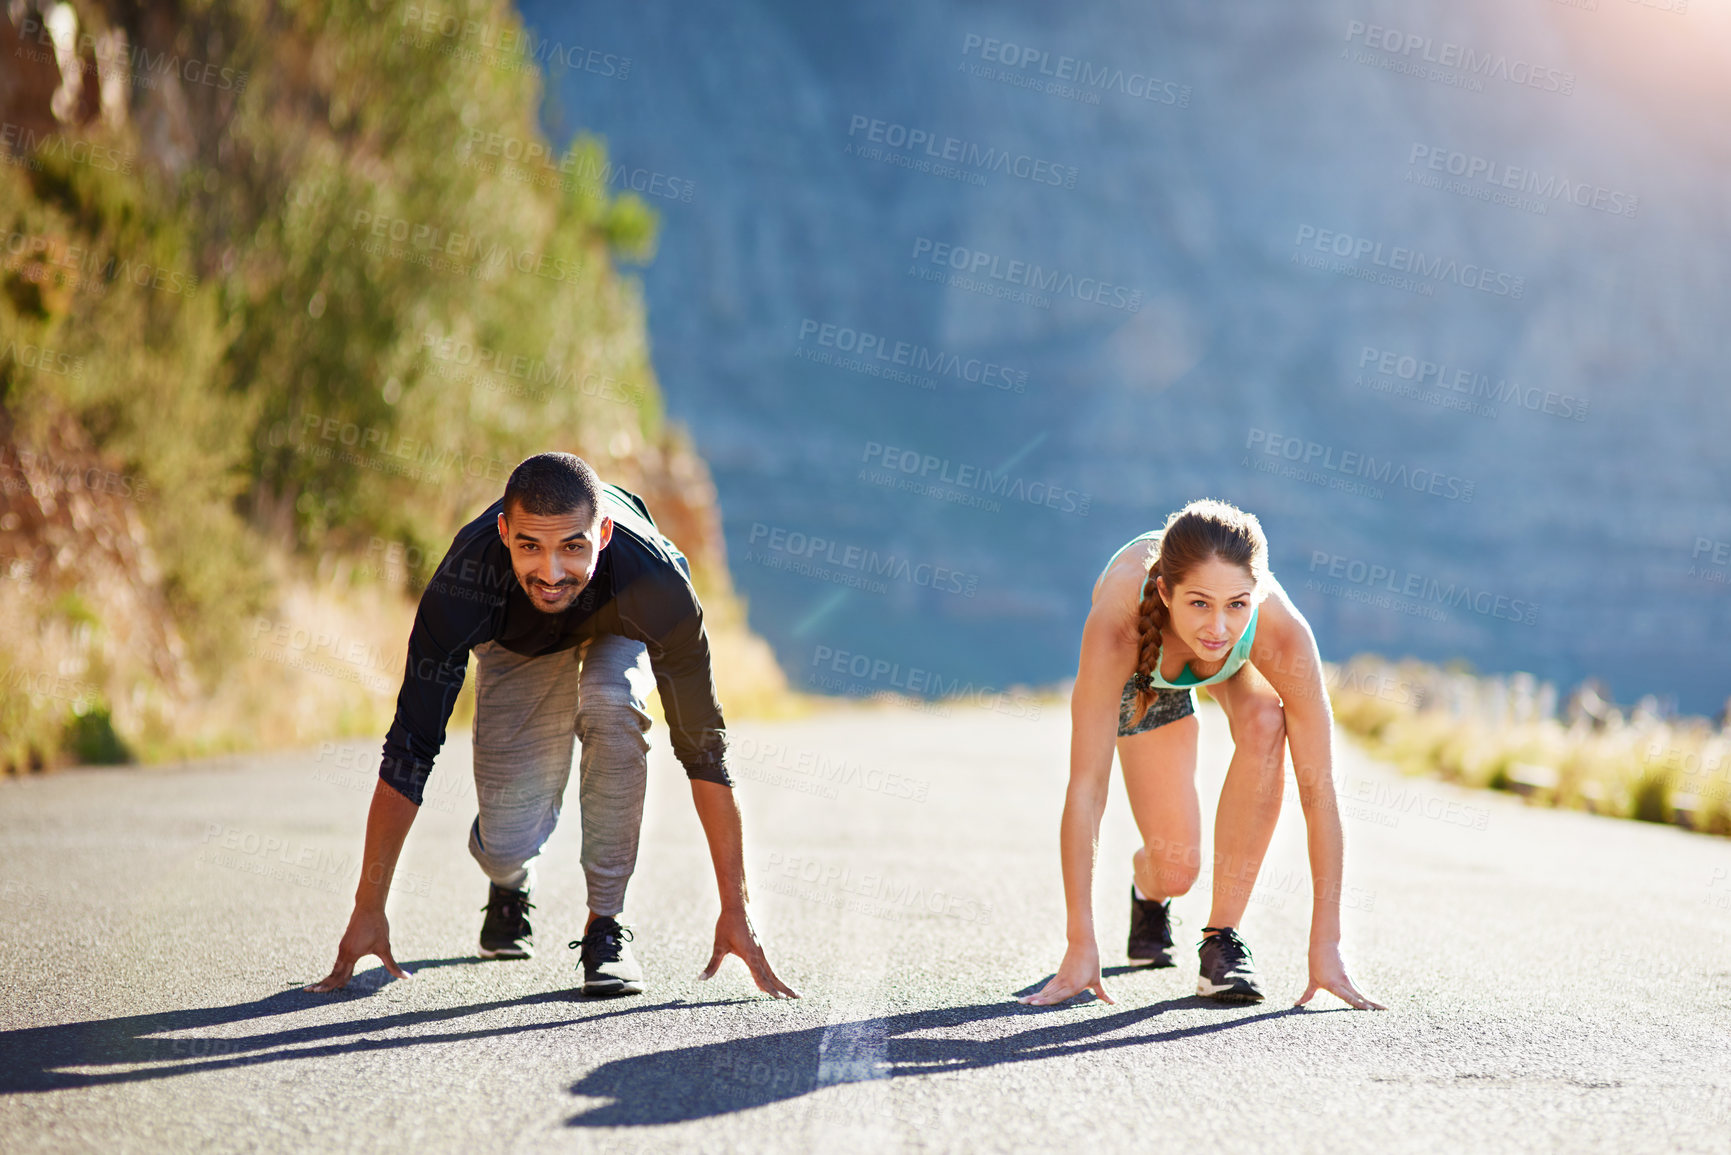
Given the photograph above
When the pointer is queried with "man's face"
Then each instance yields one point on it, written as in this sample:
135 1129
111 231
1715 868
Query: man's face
554 556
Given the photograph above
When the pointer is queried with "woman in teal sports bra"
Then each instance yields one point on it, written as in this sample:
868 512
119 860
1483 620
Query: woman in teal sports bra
1193 604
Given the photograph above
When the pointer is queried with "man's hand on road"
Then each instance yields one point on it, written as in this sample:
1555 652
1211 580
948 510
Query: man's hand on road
1328 973
1080 971
368 933
733 935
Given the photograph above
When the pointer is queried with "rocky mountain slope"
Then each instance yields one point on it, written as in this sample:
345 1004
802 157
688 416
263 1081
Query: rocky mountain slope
272 327
1434 290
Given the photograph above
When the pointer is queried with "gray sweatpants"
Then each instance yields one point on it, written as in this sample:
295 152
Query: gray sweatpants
527 712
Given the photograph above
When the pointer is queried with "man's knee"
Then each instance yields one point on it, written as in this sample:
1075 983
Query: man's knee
501 796
608 711
512 833
496 860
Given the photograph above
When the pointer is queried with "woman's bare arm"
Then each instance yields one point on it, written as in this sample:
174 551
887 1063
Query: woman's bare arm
1106 663
1285 653
1108 656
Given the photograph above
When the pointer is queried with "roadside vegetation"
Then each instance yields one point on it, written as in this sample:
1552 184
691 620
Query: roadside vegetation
1512 733
271 328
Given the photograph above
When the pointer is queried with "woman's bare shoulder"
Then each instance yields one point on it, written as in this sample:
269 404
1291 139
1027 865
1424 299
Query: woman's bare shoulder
1118 591
1281 629
1277 610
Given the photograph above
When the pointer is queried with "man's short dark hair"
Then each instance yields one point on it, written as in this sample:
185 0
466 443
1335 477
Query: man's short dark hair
553 485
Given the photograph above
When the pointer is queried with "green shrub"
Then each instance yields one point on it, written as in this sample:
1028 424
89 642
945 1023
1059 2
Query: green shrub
1650 799
90 738
290 321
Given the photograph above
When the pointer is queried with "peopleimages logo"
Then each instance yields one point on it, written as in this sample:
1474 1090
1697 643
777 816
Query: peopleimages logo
446 250
1497 176
42 359
512 45
796 551
973 264
1313 455
486 150
1402 583
26 146
537 375
1400 259
1473 385
1466 61
922 470
376 447
813 768
897 897
34 257
875 351
142 69
50 479
926 146
845 670
1070 76
1717 553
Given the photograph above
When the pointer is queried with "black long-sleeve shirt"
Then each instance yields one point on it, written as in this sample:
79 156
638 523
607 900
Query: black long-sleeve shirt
641 590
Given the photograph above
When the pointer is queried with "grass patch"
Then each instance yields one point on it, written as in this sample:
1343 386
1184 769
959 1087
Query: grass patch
1506 733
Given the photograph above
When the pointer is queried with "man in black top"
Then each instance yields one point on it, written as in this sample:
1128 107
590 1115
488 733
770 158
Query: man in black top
573 603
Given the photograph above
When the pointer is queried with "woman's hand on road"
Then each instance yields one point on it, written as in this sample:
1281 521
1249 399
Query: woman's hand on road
1328 973
1080 971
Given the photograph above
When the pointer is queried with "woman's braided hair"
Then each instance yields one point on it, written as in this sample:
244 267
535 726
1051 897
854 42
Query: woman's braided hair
1200 531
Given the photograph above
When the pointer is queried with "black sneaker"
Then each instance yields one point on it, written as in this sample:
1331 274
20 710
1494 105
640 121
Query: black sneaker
1150 931
505 932
1227 972
608 967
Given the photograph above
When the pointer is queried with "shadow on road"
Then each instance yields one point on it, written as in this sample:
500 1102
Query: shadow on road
699 1082
36 1058
670 1086
1111 972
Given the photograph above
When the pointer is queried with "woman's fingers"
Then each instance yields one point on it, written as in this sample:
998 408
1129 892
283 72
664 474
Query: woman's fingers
329 983
714 962
1341 987
1052 992
1350 993
766 980
1060 990
384 953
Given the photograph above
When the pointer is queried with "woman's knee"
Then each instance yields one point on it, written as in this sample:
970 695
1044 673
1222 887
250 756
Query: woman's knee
1174 866
1260 724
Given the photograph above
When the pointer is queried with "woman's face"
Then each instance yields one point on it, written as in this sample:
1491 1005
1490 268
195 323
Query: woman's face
1211 607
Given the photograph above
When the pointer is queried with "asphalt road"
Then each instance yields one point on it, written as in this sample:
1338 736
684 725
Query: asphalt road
1557 982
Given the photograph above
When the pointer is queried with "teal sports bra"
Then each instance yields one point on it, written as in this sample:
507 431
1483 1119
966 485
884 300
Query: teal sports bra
1142 537
1235 659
